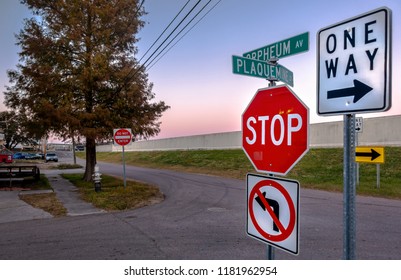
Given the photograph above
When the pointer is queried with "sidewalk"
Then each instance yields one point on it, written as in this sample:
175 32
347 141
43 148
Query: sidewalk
68 195
13 209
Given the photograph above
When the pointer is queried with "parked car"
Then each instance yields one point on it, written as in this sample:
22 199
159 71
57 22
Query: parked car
79 148
6 156
19 155
33 156
51 157
27 156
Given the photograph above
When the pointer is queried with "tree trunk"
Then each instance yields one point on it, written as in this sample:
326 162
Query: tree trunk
90 159
73 150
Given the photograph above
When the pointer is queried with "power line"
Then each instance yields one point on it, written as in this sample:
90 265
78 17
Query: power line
171 33
164 30
180 31
131 73
196 23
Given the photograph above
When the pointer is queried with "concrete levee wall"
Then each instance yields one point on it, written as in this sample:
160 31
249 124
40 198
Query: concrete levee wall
228 140
225 140
381 131
384 131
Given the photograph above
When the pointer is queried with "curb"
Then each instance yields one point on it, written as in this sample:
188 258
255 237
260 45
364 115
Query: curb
35 192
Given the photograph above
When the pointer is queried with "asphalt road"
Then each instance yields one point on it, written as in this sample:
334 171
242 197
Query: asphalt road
202 217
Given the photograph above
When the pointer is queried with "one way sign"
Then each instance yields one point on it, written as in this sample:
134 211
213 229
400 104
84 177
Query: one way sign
354 65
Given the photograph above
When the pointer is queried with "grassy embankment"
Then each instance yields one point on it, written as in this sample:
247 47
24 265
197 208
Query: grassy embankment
318 169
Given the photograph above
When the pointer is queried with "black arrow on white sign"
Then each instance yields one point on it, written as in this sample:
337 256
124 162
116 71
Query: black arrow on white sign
359 90
273 204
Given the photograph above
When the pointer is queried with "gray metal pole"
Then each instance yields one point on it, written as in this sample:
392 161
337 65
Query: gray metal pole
357 164
125 179
270 249
378 176
270 252
349 189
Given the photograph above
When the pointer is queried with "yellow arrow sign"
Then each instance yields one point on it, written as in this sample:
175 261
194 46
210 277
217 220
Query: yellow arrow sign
369 154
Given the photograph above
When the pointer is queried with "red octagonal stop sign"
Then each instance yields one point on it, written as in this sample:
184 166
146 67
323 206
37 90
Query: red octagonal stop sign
275 130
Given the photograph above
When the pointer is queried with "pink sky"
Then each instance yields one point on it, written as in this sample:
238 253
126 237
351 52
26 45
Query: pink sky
195 78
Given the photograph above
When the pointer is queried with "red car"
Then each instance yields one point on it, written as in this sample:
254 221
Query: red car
6 156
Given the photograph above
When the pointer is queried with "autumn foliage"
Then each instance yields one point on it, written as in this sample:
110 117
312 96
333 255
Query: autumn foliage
78 74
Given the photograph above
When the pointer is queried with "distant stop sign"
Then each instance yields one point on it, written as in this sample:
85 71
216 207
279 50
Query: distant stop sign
122 136
275 130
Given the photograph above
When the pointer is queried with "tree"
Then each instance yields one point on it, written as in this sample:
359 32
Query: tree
78 75
13 129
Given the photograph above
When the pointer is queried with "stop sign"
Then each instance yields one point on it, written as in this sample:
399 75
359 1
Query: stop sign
122 136
275 130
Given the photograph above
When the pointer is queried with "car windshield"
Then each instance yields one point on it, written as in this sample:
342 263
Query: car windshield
52 155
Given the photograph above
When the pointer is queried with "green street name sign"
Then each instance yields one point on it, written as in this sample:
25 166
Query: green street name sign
262 69
287 47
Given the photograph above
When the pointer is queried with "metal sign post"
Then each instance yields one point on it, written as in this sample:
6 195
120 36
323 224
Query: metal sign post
362 85
378 176
349 194
270 249
122 137
262 63
125 178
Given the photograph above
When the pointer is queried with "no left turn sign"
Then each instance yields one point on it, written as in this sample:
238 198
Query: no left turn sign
273 207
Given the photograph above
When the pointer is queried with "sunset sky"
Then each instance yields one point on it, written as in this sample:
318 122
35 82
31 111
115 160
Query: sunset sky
195 77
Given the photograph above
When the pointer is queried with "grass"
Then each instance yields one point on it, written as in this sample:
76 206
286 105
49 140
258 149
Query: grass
113 195
63 166
323 169
47 202
318 169
228 163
